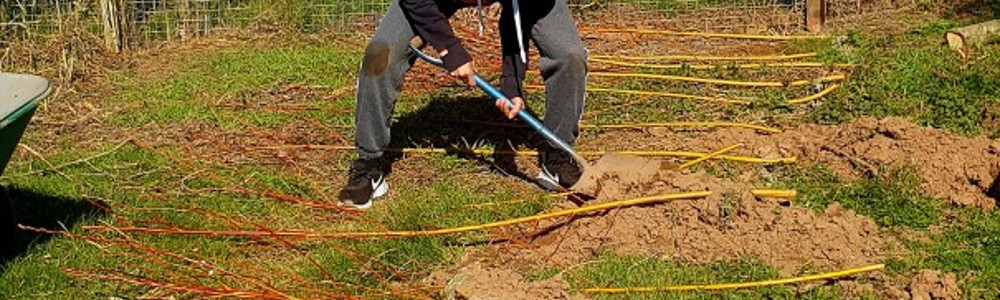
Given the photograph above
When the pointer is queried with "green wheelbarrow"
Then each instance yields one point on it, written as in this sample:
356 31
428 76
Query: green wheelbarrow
19 96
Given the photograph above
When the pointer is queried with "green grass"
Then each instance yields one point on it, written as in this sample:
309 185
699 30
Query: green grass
632 271
965 244
967 247
37 273
913 75
894 198
439 205
231 72
907 75
140 184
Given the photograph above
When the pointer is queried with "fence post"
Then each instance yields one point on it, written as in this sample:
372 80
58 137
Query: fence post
111 14
184 14
815 15
3 13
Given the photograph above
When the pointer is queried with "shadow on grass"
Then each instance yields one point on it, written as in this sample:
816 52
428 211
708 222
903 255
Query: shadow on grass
454 123
25 207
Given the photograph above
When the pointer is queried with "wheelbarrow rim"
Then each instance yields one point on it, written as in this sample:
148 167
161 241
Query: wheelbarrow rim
29 105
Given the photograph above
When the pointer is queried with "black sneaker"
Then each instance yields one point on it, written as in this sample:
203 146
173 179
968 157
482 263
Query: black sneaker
559 171
367 182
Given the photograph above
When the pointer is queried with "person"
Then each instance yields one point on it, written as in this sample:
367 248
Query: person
387 59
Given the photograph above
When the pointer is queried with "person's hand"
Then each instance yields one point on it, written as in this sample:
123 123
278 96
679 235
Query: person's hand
507 110
466 73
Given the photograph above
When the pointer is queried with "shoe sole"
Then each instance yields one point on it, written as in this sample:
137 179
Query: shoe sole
380 191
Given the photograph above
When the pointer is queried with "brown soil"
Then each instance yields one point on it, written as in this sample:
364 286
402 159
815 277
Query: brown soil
621 172
730 223
733 223
930 284
958 169
481 282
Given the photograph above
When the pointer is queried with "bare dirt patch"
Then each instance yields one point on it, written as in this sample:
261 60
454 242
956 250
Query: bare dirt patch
482 282
930 285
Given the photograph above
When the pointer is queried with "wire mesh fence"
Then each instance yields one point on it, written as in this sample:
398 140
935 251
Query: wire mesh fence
702 15
840 13
146 20
720 15
37 17
161 20
348 16
152 21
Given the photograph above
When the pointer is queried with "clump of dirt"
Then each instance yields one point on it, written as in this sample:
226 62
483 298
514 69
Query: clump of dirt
614 175
881 284
482 282
931 285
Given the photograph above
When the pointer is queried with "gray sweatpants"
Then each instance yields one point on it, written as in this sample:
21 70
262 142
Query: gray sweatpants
387 58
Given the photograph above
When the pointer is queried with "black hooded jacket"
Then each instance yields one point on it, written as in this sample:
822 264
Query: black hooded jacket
429 19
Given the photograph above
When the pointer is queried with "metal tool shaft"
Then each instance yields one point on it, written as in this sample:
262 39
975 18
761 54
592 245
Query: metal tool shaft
495 93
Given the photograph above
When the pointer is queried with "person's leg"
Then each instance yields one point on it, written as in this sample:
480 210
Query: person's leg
387 59
563 65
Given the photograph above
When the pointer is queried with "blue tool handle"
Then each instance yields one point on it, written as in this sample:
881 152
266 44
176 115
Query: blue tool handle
493 92
533 122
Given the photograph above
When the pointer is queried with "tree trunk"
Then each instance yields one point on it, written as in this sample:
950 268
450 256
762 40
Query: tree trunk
964 40
815 15
114 24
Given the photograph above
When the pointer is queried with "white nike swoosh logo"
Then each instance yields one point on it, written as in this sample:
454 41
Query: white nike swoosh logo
376 183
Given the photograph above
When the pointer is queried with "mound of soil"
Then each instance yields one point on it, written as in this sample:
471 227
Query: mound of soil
932 285
729 223
958 169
